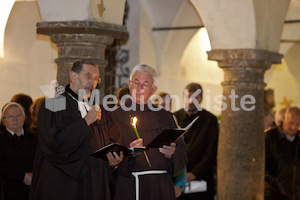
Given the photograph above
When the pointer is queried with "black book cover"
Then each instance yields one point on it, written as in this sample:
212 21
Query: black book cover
170 135
115 147
166 138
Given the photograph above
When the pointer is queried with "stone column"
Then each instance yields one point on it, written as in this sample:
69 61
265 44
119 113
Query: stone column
81 39
241 149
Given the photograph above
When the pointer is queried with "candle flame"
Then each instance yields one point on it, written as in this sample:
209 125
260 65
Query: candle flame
133 121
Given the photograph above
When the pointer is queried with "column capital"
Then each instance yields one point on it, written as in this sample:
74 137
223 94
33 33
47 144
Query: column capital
256 58
80 40
82 27
244 68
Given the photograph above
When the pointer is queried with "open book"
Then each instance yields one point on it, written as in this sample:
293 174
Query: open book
170 135
166 137
115 147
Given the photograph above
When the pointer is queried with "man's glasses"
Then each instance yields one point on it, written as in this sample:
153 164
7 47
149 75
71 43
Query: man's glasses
136 83
12 117
89 77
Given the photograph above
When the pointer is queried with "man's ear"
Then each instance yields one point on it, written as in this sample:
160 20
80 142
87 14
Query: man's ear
154 88
73 76
200 100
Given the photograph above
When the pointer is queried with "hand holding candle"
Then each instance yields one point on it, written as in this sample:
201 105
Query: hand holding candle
133 122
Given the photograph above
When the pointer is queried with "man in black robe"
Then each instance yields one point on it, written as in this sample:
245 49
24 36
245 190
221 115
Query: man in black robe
201 141
139 179
63 168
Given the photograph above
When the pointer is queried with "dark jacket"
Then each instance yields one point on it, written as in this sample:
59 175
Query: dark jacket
16 158
282 179
201 141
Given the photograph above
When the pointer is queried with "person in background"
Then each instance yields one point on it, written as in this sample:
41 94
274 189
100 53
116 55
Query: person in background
201 141
25 101
269 101
17 151
34 110
282 180
268 119
279 115
139 179
63 168
120 93
165 102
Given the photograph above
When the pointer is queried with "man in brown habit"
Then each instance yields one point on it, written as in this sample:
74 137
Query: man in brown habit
139 179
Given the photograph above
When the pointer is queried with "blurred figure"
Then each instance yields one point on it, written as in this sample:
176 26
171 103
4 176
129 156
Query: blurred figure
17 151
25 101
120 93
282 180
279 115
269 102
201 141
268 119
164 101
34 110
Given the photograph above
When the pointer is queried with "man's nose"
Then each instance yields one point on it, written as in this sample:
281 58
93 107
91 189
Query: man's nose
15 118
140 86
295 127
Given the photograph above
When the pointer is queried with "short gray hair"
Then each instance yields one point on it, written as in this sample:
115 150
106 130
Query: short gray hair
294 110
145 68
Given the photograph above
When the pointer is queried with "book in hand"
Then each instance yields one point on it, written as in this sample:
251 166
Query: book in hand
164 138
170 135
115 147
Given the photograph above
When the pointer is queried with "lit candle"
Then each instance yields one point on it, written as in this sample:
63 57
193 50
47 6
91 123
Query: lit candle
133 124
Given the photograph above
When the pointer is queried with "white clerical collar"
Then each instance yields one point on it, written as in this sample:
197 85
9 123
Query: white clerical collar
83 107
288 137
12 133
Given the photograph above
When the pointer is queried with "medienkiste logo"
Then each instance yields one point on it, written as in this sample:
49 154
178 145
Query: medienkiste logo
54 101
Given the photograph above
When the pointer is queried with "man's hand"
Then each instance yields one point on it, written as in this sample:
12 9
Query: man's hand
114 159
189 178
27 178
168 151
93 115
136 143
177 191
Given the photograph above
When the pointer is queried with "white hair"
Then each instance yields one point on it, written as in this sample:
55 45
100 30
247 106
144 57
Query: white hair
145 68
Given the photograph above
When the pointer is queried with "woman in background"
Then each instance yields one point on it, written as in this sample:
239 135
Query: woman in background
17 151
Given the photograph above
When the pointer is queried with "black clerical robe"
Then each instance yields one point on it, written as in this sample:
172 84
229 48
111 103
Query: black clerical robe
63 168
151 186
201 141
16 158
